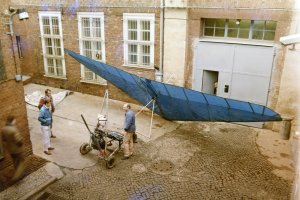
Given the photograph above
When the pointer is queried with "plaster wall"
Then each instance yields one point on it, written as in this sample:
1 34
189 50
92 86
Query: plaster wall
289 93
283 17
175 46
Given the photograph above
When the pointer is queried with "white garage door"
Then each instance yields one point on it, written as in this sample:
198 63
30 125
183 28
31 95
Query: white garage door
243 71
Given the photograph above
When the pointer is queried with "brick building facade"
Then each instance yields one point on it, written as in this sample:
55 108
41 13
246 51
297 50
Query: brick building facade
12 92
184 23
113 12
178 58
184 27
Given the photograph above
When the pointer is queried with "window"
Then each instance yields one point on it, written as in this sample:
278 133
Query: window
264 30
240 28
139 40
91 42
52 43
214 27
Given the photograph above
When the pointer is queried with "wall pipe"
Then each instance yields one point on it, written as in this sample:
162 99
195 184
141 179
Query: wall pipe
159 73
11 34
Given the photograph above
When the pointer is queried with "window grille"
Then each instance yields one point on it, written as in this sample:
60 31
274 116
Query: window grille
52 43
139 40
240 28
91 42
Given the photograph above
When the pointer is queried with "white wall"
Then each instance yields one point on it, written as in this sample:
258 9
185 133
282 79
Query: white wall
288 104
176 3
175 45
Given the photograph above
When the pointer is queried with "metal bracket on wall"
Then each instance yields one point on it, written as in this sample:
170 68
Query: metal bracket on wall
293 47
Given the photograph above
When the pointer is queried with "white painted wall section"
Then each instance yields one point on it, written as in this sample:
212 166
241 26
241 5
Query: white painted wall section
176 3
175 45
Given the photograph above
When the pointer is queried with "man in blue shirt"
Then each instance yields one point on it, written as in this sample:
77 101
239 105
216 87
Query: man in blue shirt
42 102
45 117
129 130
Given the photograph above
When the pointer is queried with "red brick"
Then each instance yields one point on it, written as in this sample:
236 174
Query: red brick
12 92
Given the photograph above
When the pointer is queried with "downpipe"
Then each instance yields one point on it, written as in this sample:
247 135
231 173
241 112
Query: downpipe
159 72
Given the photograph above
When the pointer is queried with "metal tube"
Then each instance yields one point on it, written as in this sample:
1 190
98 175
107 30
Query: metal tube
159 74
11 33
144 107
13 52
150 131
86 124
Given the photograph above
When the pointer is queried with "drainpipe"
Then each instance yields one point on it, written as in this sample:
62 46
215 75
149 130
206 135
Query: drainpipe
11 34
159 72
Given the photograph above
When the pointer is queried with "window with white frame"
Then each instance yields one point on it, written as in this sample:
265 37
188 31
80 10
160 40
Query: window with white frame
139 39
52 43
240 28
91 42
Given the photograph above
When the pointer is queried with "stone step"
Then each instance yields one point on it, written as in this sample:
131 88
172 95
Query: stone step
33 183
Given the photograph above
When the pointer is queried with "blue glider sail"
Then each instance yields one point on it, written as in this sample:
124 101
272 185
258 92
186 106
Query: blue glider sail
178 103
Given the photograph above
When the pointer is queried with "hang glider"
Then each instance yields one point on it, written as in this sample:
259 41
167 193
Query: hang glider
178 103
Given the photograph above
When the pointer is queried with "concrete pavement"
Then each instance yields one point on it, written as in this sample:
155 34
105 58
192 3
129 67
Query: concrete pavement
71 132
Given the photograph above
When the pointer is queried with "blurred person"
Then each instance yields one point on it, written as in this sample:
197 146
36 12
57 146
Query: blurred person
14 143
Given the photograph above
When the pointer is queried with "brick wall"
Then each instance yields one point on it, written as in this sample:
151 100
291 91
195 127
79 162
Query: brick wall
33 65
11 92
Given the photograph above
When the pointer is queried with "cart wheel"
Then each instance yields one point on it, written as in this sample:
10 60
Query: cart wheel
85 148
110 162
134 138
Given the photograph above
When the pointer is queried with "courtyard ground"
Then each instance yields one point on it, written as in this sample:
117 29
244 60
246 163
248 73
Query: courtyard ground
181 160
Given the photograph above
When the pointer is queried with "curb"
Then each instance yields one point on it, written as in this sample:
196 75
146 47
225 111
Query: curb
38 189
